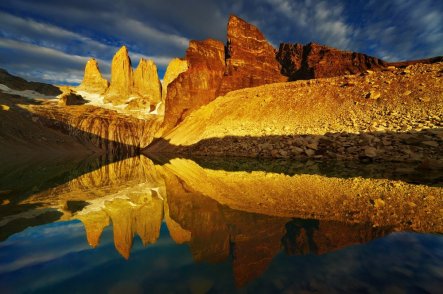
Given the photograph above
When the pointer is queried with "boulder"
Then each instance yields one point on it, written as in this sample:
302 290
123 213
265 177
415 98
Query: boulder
70 98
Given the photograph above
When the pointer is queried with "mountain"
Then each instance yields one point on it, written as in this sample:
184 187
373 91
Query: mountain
387 115
311 61
138 89
93 81
125 114
33 121
248 60
19 84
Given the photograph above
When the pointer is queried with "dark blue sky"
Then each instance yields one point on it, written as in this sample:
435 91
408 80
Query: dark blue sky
49 40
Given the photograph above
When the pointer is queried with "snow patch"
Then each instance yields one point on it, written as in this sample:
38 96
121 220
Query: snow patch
30 94
98 100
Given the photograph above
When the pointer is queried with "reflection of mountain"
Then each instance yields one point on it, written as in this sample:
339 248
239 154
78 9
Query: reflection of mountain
140 214
380 202
250 239
246 218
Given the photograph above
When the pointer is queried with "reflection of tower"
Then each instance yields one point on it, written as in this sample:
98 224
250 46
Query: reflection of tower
94 223
140 213
298 239
318 237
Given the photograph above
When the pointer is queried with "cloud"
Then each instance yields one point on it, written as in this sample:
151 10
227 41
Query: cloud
398 29
47 35
44 52
318 21
403 30
42 63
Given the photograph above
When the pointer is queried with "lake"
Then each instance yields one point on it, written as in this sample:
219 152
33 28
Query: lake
218 225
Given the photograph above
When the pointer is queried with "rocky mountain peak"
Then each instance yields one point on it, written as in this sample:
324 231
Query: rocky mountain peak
93 81
250 58
175 67
240 32
146 82
121 77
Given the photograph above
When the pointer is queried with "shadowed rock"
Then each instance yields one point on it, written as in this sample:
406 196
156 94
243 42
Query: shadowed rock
311 61
198 85
70 98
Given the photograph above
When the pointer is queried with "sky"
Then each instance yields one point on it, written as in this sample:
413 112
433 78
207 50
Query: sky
50 40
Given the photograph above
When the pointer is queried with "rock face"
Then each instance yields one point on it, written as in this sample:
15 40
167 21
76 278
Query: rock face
146 82
107 130
302 62
93 81
198 85
175 67
139 89
250 59
121 78
389 115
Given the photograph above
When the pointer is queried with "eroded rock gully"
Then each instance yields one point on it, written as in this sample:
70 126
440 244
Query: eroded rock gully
107 130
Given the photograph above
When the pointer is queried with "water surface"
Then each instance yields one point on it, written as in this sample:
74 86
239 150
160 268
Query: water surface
218 226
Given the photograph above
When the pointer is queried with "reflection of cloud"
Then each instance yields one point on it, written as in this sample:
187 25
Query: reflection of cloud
46 237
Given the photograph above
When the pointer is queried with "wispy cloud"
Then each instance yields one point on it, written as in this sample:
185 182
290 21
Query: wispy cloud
414 29
160 30
45 52
324 21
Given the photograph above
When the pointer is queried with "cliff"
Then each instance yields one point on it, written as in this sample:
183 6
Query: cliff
311 61
147 87
198 85
248 60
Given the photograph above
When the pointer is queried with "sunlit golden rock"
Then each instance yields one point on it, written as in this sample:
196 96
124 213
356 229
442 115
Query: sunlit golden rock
147 85
175 67
121 78
198 85
250 58
94 223
93 82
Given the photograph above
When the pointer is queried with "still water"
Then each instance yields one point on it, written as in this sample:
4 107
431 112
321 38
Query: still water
218 226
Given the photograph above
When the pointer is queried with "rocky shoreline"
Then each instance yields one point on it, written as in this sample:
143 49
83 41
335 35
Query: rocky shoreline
421 146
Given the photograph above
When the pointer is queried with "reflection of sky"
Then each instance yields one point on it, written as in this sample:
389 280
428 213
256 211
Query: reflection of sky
55 258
